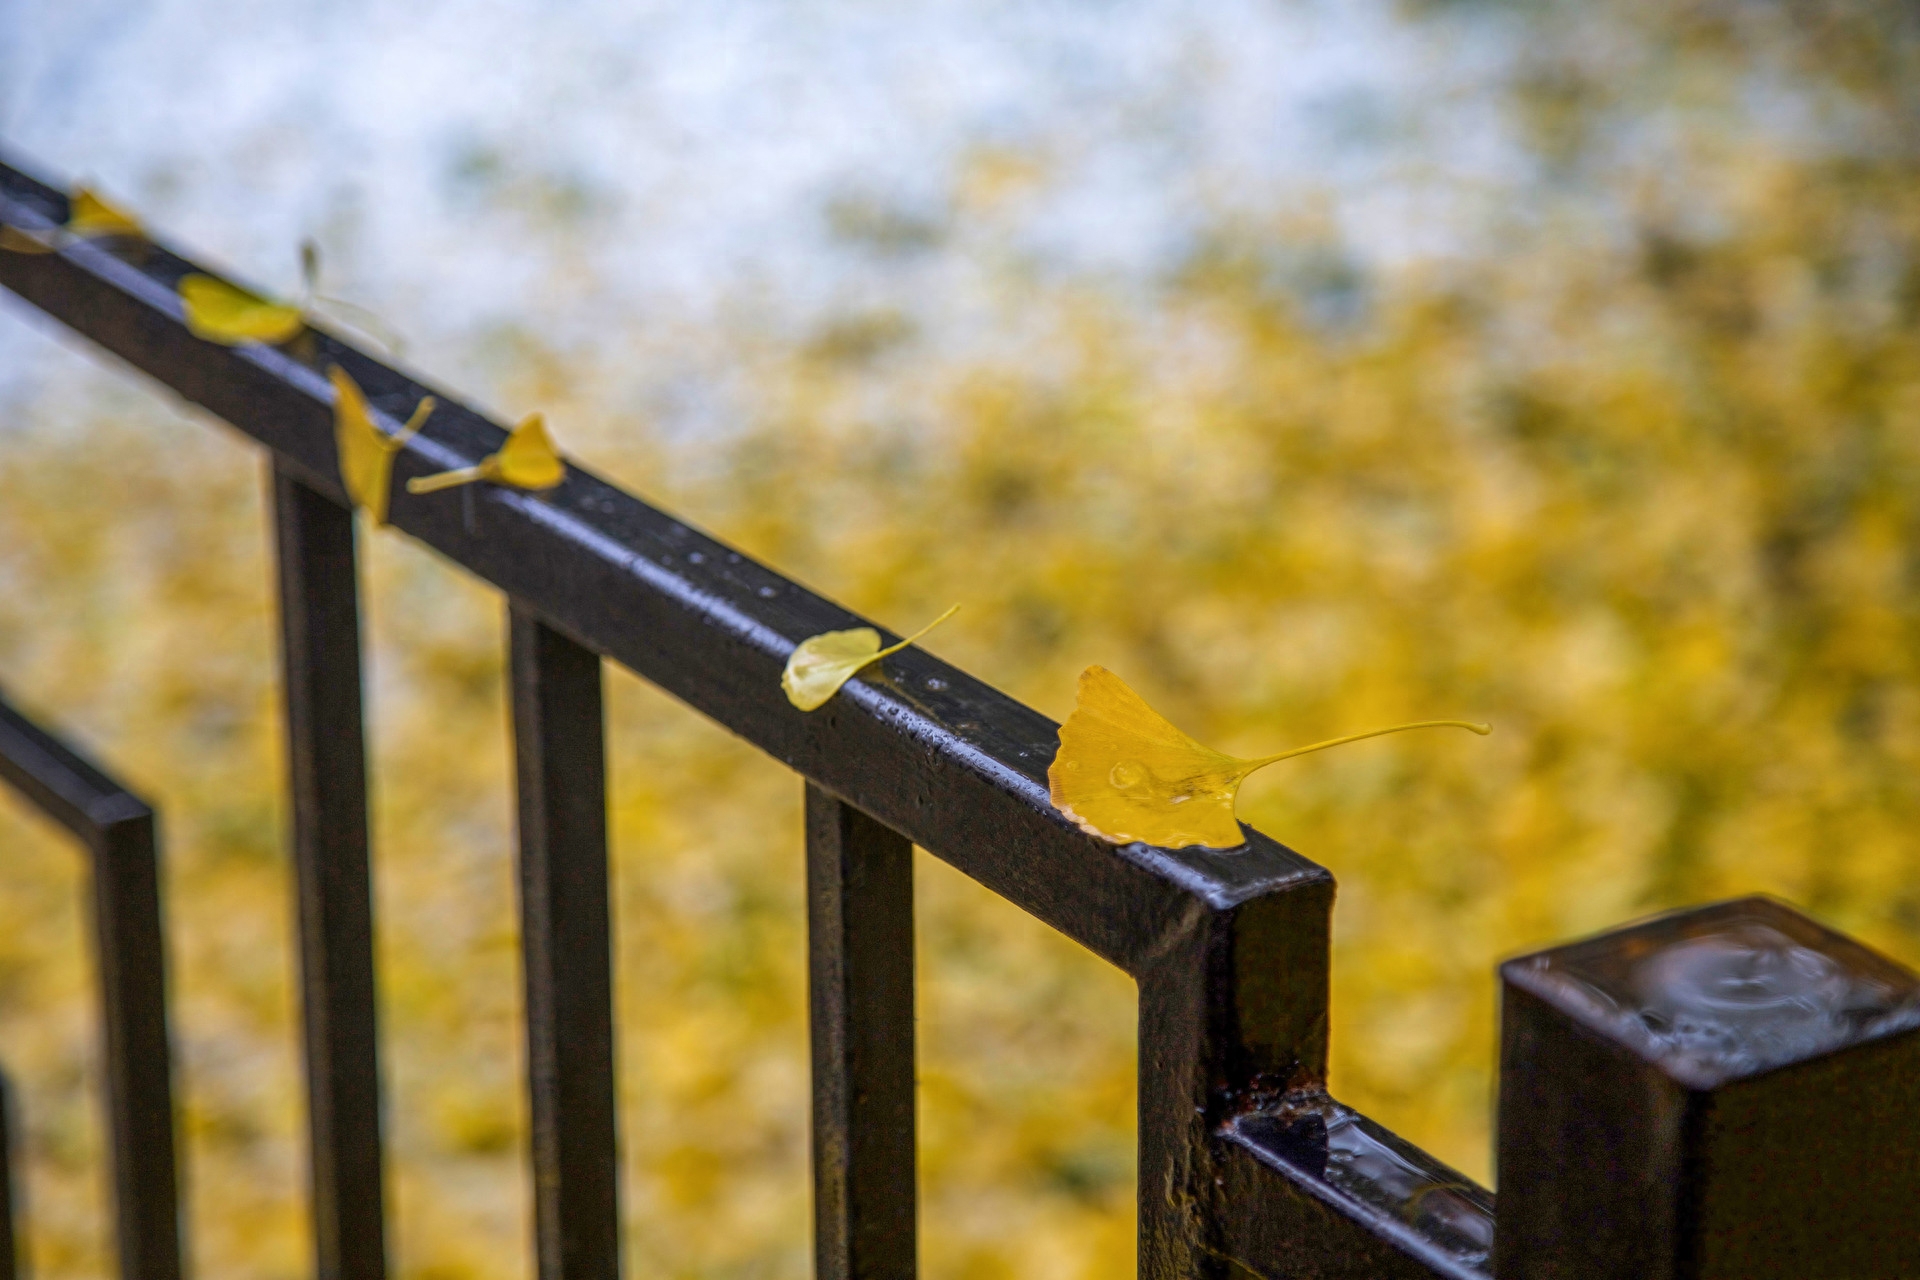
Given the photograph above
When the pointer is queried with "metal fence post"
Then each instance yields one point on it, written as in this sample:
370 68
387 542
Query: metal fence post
1726 1093
10 1241
327 767
860 1006
566 927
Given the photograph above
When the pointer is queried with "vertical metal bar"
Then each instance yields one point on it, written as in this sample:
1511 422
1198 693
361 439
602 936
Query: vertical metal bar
860 989
567 946
131 947
1233 1020
326 754
10 1241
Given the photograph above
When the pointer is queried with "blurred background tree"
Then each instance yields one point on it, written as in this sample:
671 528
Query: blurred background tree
1312 364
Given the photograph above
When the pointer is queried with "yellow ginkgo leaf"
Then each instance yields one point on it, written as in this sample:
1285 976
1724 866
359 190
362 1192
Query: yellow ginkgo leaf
527 460
89 215
821 664
1124 773
221 313
19 240
366 452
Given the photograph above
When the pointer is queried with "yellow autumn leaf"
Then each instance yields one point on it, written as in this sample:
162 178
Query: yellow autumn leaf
19 240
87 215
366 452
221 313
528 460
820 664
1125 773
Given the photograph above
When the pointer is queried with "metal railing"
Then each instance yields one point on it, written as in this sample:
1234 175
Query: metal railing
118 830
1246 1165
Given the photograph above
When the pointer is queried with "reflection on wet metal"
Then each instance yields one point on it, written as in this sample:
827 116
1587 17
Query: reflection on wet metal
1364 1165
1730 993
1441 1205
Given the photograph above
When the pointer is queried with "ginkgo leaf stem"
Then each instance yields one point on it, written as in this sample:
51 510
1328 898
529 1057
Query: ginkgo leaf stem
360 318
446 480
414 422
895 648
312 301
1264 761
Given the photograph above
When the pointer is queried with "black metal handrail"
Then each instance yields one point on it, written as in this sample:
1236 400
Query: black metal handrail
1246 1166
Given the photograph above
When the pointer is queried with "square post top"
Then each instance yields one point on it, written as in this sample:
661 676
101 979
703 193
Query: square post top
1720 993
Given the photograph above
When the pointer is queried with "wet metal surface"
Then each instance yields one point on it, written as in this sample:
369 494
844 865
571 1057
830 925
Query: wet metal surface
1348 1158
1727 992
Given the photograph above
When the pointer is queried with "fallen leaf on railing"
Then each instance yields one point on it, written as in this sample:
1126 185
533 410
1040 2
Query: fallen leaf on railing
222 313
366 452
88 216
527 460
20 240
1124 773
820 664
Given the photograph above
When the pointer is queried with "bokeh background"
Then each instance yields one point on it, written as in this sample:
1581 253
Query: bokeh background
1313 363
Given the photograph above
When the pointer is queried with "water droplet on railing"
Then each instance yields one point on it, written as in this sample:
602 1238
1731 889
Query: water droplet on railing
696 557
768 593
935 683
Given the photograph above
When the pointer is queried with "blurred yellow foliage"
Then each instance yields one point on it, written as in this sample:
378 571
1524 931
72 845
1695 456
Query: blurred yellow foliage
1653 511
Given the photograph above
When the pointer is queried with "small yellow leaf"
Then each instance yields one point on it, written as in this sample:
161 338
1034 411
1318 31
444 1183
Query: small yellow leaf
528 460
221 313
366 452
821 664
1124 773
20 240
89 215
